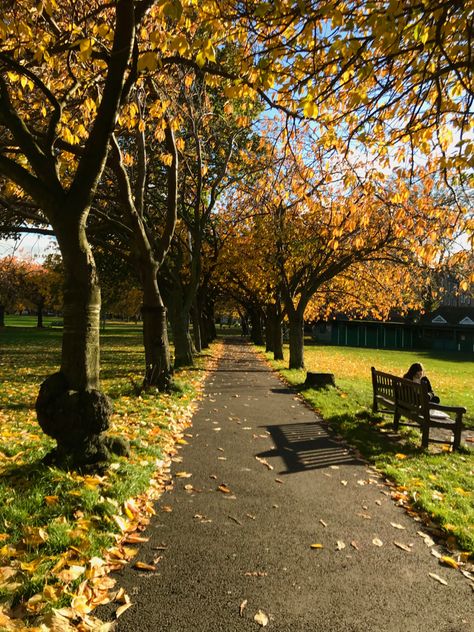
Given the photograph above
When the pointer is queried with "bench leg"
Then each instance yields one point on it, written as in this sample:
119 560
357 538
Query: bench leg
425 435
396 420
457 438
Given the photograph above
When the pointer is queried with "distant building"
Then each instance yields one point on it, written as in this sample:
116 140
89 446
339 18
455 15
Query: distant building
445 329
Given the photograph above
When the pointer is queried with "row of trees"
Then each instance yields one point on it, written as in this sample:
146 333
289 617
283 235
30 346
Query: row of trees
133 131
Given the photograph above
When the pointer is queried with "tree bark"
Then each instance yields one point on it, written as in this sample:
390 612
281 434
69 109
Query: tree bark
277 340
179 318
2 315
39 315
196 318
269 328
70 407
158 370
296 323
256 325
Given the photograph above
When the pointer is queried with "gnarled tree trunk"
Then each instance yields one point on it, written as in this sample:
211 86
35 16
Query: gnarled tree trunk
70 407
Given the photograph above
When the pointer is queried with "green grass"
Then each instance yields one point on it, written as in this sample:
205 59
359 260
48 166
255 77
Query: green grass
439 484
51 520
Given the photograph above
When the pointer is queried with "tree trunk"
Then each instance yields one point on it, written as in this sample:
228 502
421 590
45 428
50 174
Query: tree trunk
196 326
70 407
277 340
179 318
296 323
269 328
256 325
155 330
2 315
39 321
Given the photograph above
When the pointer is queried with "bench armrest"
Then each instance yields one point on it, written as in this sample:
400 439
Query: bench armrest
450 409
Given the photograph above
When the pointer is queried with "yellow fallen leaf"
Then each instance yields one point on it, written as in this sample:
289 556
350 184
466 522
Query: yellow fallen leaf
377 542
34 536
142 566
395 525
3 537
355 545
340 545
121 609
224 489
30 567
134 538
183 475
242 607
445 559
400 456
316 546
80 605
261 618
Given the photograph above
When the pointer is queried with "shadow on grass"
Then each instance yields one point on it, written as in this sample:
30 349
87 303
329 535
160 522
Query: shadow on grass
26 476
371 435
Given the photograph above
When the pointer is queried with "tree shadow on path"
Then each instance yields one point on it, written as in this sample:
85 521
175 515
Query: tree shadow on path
307 446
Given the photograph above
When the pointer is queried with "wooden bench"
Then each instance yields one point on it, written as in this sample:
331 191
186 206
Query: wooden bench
410 400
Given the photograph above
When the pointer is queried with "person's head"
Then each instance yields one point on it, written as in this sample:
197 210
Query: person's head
415 372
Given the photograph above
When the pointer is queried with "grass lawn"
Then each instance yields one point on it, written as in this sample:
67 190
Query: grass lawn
437 484
55 526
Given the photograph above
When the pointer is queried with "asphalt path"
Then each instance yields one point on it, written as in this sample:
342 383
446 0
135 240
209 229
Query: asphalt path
267 481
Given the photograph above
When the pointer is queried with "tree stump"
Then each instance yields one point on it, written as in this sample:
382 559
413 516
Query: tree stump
319 380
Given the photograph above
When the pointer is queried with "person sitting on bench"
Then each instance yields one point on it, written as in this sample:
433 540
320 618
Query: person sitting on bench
416 373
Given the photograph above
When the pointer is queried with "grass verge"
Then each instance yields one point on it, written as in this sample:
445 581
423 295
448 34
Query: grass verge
62 533
436 484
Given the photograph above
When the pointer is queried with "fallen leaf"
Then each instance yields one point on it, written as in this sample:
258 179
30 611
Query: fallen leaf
400 456
400 545
325 524
316 546
340 545
344 483
377 542
355 545
224 489
278 480
121 609
242 607
261 618
445 559
438 579
142 566
134 538
334 467
183 475
264 462
70 574
167 509
395 525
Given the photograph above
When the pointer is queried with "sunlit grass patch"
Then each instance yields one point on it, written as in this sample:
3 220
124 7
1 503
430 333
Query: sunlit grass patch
439 485
55 526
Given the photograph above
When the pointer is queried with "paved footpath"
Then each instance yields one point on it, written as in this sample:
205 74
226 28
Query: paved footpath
251 545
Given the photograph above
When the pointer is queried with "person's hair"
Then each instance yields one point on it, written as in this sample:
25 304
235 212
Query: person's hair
413 370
